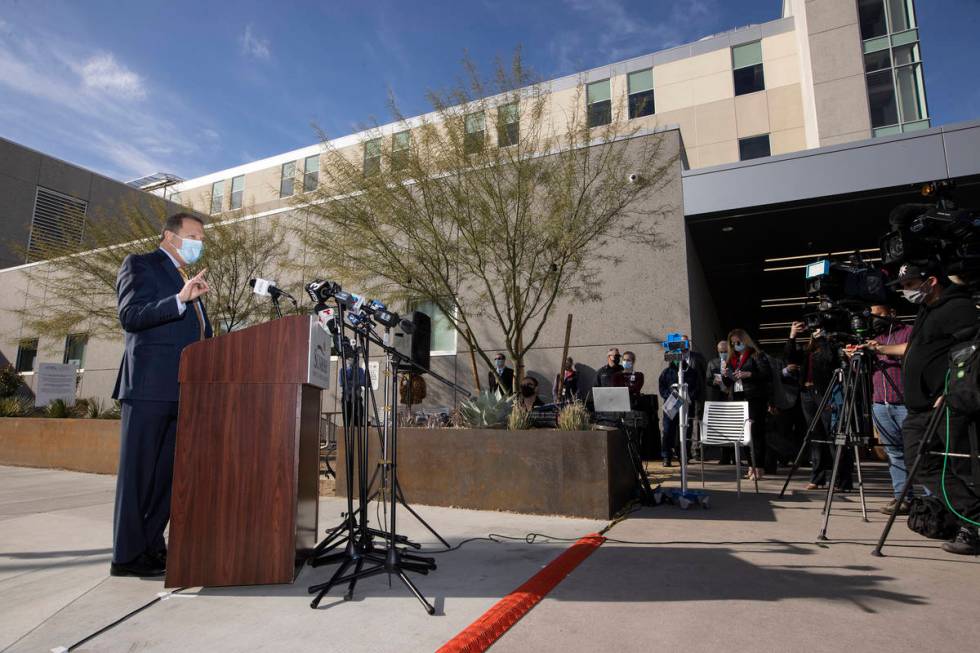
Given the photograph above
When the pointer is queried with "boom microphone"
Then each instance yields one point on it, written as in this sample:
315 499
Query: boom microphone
265 288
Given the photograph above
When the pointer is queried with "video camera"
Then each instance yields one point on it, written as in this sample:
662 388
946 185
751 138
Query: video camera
846 290
676 347
939 232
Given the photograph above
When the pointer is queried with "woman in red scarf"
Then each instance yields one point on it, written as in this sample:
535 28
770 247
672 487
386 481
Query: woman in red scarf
747 376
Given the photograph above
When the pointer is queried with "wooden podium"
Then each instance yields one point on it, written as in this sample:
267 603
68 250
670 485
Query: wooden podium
246 468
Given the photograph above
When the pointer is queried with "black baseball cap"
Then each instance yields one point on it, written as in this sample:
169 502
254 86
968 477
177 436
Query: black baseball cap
915 270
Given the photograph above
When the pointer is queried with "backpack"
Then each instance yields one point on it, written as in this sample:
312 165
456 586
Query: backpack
928 517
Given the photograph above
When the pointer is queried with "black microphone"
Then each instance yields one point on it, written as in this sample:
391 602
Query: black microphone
271 290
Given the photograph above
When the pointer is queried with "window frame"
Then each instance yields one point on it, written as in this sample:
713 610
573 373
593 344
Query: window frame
237 196
419 306
218 197
757 137
289 177
372 164
637 99
757 71
308 174
74 339
508 132
598 113
474 140
21 349
399 156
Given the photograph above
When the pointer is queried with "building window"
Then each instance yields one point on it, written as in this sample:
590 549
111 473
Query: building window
443 331
311 172
640 85
288 179
217 196
893 69
871 16
26 355
237 191
372 157
475 133
75 349
57 224
754 147
599 103
747 68
508 125
400 145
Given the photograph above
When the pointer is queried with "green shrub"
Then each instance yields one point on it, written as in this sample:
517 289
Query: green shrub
15 407
488 410
94 408
573 417
58 409
10 381
112 413
520 417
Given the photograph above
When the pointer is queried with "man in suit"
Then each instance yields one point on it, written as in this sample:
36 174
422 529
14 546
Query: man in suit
501 377
161 312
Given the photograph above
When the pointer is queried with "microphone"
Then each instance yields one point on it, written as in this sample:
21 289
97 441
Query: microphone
266 288
320 290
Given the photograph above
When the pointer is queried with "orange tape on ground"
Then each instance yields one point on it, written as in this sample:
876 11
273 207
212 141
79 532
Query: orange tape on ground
496 621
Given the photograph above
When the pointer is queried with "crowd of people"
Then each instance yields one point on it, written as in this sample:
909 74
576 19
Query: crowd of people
786 391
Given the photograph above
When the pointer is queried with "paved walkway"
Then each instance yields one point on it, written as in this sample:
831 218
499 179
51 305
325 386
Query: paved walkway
745 575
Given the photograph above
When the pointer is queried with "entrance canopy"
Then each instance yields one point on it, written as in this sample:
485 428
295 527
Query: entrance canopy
755 224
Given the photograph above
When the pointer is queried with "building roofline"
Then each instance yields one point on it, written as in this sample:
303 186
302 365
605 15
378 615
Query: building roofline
710 43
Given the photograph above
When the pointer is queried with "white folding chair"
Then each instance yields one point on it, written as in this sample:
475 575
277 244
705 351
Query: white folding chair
727 424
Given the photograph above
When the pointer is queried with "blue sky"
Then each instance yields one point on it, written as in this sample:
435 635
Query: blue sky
190 87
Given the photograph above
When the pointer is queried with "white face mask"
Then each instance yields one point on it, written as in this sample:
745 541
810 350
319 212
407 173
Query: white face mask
917 295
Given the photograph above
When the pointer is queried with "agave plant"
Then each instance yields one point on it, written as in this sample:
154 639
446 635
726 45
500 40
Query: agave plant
14 407
488 410
573 416
95 408
58 409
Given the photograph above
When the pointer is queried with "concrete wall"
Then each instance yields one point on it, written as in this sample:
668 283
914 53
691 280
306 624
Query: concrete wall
644 297
22 170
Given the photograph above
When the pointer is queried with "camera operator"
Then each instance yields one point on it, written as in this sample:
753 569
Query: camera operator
947 315
889 409
814 365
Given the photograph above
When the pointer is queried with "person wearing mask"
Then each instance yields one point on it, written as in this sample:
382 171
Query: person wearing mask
889 409
670 426
748 377
565 389
604 375
716 390
947 316
628 377
161 311
529 393
501 377
814 365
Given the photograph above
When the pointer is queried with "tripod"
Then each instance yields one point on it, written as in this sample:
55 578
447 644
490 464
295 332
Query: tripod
852 430
360 550
631 423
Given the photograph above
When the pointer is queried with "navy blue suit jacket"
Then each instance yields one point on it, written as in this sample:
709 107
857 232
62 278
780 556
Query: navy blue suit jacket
156 332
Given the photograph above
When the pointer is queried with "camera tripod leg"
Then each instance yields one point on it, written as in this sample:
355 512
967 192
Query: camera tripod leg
828 502
321 589
401 499
864 504
353 581
930 432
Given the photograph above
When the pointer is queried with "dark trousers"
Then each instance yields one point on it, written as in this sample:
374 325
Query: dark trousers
146 465
822 454
668 437
961 487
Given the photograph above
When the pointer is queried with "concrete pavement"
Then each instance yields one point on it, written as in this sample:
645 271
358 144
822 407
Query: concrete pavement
745 575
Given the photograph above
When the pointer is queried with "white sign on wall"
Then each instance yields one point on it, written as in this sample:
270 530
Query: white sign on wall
374 371
55 381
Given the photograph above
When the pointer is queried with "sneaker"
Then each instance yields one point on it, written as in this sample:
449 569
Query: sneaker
966 542
889 508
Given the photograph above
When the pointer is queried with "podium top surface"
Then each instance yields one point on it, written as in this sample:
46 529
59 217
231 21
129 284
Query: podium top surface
288 350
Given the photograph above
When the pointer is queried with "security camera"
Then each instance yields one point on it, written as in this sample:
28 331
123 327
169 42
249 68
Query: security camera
633 177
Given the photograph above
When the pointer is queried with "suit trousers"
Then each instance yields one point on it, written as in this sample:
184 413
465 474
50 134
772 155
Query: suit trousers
145 478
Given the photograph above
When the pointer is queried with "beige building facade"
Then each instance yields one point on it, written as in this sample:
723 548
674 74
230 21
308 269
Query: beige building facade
824 73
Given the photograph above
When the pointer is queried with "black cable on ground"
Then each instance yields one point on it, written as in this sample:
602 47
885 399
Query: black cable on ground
120 620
